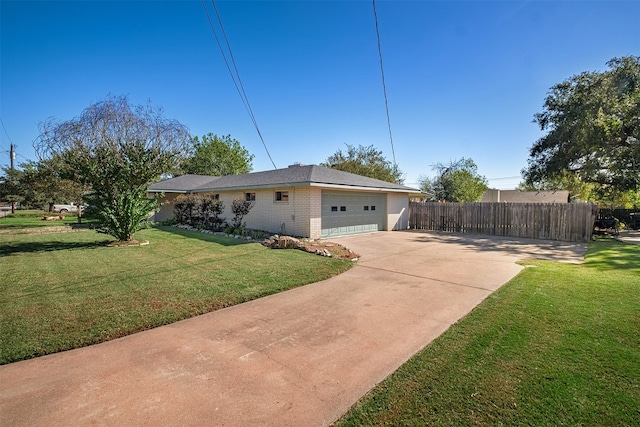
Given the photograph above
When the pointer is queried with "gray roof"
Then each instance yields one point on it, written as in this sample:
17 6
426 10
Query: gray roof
293 175
182 184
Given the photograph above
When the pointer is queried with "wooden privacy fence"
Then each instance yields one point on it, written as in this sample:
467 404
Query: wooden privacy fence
571 222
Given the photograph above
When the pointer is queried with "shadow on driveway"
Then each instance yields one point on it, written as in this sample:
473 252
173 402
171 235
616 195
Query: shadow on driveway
525 249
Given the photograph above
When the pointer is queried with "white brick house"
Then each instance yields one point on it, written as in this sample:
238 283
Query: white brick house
309 201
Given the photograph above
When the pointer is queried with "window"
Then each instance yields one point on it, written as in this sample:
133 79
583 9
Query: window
215 196
343 208
334 209
373 208
249 197
282 196
366 208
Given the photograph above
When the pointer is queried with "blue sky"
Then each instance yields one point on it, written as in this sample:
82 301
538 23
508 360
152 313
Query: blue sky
464 79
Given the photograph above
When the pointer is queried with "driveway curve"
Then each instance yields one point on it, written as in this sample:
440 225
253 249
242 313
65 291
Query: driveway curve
301 357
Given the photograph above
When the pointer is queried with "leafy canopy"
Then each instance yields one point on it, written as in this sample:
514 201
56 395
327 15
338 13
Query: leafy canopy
12 188
457 181
365 161
593 129
578 190
39 184
218 156
118 151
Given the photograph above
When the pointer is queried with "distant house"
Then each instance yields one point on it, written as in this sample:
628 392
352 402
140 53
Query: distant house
309 201
515 196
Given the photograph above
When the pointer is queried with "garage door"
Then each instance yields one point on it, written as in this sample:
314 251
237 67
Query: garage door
350 213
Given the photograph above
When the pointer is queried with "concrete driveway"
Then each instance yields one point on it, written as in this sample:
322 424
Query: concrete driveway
299 358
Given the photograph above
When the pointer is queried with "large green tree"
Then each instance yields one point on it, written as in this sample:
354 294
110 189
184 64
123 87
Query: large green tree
592 122
578 190
218 156
365 161
44 186
11 186
118 151
456 181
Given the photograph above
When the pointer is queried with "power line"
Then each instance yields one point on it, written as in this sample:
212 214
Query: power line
384 85
504 177
238 83
5 131
12 157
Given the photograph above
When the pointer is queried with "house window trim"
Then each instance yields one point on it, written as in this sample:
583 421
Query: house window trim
250 197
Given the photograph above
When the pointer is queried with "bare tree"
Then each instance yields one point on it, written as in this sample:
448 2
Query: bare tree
118 151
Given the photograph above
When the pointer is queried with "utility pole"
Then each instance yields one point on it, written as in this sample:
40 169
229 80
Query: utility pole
12 152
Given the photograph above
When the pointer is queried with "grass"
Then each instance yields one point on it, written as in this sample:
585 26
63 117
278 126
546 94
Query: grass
33 219
557 345
66 290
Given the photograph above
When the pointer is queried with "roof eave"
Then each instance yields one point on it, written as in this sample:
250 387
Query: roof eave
156 190
361 187
292 184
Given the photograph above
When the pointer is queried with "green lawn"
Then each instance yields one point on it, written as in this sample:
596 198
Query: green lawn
557 345
33 219
66 290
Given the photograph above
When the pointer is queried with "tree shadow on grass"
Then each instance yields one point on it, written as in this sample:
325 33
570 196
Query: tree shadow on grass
608 254
33 247
193 234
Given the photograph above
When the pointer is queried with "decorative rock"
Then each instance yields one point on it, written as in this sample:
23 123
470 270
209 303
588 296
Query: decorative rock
287 242
318 248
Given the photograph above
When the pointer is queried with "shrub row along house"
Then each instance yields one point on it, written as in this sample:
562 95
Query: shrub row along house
301 200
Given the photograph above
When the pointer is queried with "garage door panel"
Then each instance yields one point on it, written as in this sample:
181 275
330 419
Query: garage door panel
350 213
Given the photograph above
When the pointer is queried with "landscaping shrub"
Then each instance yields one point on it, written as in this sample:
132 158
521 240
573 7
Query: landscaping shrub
201 211
240 208
183 208
212 209
170 221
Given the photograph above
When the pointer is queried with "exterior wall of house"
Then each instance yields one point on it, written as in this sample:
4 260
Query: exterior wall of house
315 212
397 211
166 210
287 217
301 215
